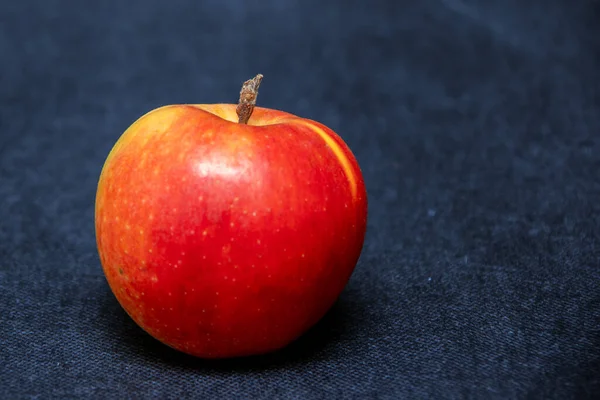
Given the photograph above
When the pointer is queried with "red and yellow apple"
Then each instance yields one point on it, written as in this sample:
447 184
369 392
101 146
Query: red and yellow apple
225 239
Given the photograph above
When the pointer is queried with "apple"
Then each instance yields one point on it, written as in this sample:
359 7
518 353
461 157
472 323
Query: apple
229 230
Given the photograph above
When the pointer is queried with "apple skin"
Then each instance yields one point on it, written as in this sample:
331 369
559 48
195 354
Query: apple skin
222 239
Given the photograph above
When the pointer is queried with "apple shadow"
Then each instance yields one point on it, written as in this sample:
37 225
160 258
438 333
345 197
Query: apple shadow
317 343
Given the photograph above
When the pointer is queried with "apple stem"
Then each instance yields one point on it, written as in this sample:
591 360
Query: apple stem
248 96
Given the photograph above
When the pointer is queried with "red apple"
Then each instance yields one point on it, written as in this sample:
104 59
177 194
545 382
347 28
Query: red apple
225 235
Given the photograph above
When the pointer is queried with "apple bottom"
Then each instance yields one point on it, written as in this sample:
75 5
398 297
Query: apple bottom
236 333
237 309
212 297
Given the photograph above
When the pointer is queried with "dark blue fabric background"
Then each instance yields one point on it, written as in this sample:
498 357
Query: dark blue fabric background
476 124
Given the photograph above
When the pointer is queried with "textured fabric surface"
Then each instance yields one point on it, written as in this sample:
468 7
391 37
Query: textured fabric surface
476 124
